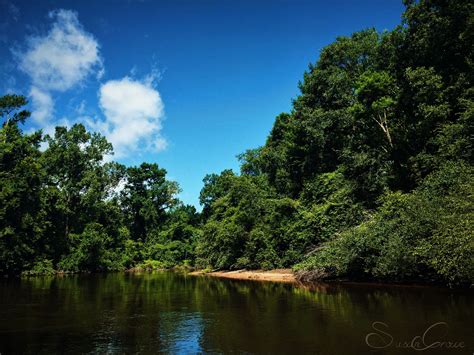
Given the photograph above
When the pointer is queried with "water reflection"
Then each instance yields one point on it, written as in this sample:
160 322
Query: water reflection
181 332
175 313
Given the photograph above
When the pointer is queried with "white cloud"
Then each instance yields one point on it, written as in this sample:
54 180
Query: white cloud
62 58
133 112
43 105
81 108
57 61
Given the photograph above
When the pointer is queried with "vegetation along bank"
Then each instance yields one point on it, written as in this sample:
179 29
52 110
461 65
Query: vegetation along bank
368 177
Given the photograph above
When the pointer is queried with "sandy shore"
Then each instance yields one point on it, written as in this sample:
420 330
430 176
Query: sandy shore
277 275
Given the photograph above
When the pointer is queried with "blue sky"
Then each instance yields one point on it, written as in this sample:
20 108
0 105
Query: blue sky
185 84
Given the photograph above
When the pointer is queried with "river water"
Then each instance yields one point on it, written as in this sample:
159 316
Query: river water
166 312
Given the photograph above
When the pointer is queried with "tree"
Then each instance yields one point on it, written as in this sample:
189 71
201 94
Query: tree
146 198
10 109
77 185
21 178
215 187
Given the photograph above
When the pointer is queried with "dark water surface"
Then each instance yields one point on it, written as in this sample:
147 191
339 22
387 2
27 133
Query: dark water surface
174 313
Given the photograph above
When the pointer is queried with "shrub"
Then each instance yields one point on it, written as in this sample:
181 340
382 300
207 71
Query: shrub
421 236
41 267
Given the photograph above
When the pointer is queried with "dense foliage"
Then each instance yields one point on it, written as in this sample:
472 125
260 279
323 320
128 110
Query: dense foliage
66 209
370 176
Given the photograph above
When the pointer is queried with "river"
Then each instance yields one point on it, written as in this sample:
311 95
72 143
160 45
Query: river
166 312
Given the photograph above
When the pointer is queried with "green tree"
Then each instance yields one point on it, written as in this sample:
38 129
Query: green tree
21 177
146 198
76 186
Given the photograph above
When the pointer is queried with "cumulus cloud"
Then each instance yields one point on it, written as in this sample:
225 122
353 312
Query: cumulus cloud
59 60
62 58
133 111
43 105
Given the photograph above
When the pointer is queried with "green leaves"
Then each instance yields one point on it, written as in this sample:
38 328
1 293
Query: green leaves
145 198
421 236
65 208
21 178
378 118
10 106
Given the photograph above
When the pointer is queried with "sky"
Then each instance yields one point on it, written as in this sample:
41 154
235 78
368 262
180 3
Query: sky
187 84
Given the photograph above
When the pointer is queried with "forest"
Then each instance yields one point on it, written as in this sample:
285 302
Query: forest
369 177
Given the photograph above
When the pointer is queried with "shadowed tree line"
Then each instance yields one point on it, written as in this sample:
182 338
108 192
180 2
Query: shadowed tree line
370 176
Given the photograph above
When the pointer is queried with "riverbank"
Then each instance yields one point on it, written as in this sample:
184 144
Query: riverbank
277 275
